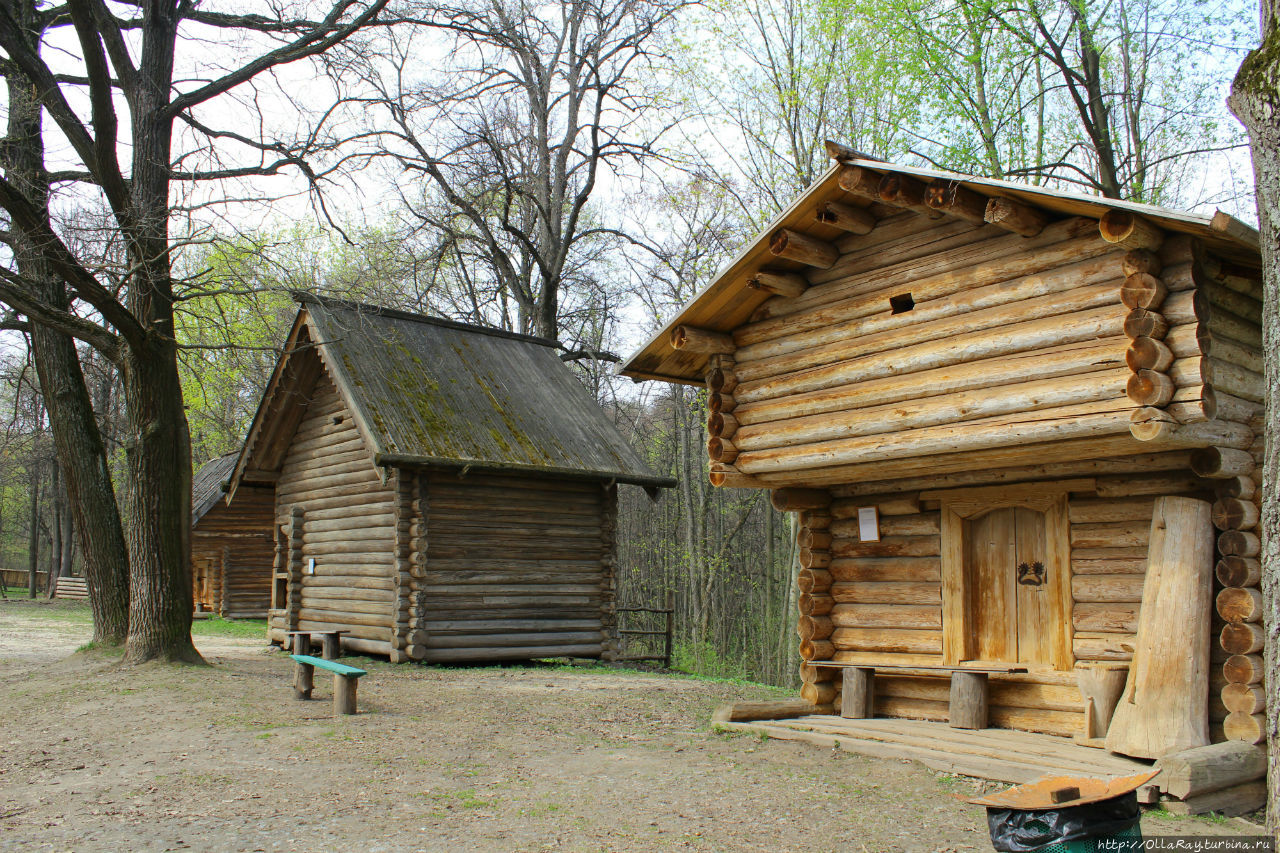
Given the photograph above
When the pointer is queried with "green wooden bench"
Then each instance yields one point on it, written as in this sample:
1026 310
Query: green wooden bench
345 679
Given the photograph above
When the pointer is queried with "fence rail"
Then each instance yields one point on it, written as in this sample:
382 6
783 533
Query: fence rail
666 632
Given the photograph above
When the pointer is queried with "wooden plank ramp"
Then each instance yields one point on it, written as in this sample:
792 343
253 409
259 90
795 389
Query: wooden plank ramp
1001 755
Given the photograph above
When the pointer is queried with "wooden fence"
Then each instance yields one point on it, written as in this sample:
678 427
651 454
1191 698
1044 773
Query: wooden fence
666 617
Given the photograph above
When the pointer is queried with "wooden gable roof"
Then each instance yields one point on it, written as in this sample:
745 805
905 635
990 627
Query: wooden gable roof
728 302
207 484
430 392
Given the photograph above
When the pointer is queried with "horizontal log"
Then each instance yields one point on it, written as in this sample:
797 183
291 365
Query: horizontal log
584 650
1244 669
1239 571
905 191
1142 290
1119 534
724 476
487 626
1198 771
1102 510
1238 543
1106 618
1230 802
906 616
1015 216
796 499
810 559
804 248
846 217
1091 420
858 181
888 640
883 569
887 592
1244 698
815 519
958 200
1107 588
816 649
1239 381
1141 323
1109 566
1235 514
815 604
721 449
1221 462
921 524
1141 261
1117 647
1130 230
529 639
907 503
1149 388
722 424
1148 354
1241 638
693 339
888 546
771 709
813 580
718 402
814 627
786 284
1246 728
314 614
818 694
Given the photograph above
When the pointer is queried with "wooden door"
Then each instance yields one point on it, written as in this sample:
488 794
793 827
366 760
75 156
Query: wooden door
1009 590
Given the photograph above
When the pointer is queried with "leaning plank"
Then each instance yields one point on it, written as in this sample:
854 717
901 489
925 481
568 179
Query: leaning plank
1163 709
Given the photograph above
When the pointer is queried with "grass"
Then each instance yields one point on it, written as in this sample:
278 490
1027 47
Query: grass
216 626
78 612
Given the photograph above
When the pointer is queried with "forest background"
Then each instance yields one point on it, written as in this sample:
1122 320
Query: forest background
580 169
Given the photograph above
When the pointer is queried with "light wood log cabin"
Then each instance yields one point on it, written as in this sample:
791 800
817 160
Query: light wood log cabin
987 402
443 492
231 544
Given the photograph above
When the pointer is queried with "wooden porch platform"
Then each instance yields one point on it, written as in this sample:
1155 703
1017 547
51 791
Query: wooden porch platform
1001 755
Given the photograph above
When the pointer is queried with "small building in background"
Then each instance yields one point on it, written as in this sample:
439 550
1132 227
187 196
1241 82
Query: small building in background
231 544
443 492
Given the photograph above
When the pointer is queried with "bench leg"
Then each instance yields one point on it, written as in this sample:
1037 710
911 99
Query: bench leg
332 645
303 680
968 700
302 644
858 692
344 694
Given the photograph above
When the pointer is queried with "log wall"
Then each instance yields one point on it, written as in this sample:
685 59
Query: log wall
880 603
232 549
348 527
514 568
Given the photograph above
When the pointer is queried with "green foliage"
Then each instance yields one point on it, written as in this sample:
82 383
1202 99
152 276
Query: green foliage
705 660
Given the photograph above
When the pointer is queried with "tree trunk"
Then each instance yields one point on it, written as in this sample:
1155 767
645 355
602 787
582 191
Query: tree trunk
1255 99
76 438
159 518
55 530
33 533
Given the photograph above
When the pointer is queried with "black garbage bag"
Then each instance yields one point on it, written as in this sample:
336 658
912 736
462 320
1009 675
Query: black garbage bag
1023 831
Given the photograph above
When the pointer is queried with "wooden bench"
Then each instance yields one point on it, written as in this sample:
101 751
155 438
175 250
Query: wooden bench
345 679
966 710
330 642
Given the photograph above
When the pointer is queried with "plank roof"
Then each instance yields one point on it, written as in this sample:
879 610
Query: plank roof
427 392
727 302
207 484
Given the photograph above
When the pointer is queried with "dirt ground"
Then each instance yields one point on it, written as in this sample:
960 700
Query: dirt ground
94 756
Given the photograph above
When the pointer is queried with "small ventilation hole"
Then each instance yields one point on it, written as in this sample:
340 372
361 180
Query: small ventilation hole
901 303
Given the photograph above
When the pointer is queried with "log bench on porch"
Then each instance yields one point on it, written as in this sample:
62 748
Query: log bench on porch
968 705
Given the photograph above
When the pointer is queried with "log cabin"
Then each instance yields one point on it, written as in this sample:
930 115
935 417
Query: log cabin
1021 429
442 492
231 543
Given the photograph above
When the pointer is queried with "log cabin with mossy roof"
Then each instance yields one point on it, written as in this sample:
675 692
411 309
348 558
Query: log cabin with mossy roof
231 543
1022 429
443 492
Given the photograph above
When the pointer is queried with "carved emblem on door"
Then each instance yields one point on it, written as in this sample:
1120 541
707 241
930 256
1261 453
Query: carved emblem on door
1031 574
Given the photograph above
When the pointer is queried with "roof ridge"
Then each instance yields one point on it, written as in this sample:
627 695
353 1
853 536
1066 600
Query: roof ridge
306 297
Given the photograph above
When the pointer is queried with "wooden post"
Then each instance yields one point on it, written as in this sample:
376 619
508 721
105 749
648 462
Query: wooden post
303 679
1100 685
858 693
301 643
968 700
344 694
331 643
